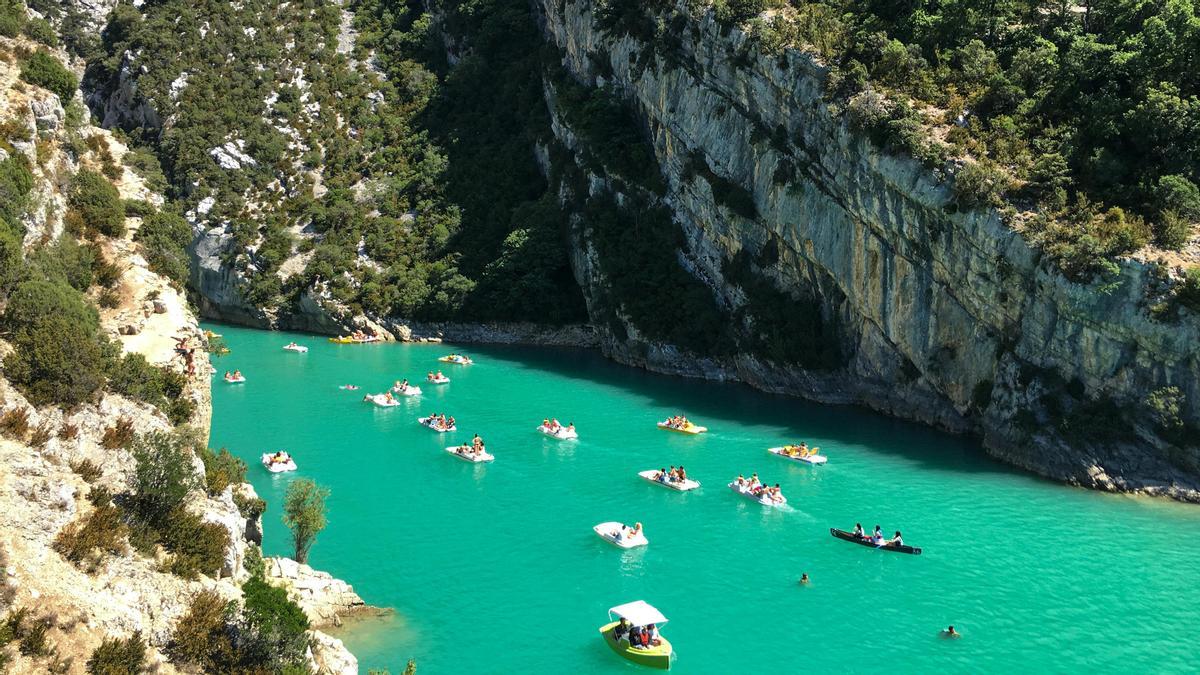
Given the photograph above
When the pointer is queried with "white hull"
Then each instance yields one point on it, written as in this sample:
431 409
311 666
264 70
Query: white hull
277 467
807 459
444 380
607 532
382 401
425 423
235 380
761 500
690 429
682 486
475 459
562 434
299 349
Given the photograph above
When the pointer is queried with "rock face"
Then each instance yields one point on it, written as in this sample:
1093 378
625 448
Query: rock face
324 599
944 317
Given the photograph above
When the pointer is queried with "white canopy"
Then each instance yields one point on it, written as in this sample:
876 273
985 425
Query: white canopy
638 613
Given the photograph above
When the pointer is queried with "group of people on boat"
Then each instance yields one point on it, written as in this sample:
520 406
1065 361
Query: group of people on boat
400 386
877 537
473 450
754 486
357 336
234 376
671 475
456 358
639 637
678 422
281 457
387 397
553 426
430 377
625 532
440 422
291 345
801 450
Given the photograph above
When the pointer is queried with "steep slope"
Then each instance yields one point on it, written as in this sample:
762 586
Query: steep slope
806 233
75 575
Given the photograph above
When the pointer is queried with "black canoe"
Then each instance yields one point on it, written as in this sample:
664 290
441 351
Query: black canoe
842 534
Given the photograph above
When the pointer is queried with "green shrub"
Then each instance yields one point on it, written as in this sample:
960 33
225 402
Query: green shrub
119 657
1188 294
57 361
164 236
40 30
10 258
198 547
979 185
163 476
201 636
43 70
134 377
272 628
16 182
138 208
67 261
1178 201
98 203
12 17
221 469
85 540
35 300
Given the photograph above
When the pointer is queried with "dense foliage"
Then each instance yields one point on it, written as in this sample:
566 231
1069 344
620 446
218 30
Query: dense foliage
44 70
412 201
1060 108
304 514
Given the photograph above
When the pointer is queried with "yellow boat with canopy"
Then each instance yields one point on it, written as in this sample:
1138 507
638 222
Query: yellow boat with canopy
638 613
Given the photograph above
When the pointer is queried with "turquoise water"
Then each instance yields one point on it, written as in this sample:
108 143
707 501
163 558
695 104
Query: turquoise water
495 569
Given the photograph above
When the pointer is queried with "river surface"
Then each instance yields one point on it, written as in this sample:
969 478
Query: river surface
495 568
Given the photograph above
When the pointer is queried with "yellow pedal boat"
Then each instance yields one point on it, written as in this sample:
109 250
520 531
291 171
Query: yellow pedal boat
688 428
638 613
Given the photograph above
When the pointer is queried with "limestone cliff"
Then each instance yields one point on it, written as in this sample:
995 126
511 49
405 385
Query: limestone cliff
52 462
940 316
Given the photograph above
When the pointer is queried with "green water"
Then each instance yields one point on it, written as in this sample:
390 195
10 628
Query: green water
495 569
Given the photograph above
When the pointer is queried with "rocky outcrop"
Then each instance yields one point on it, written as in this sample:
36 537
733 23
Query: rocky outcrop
323 598
941 316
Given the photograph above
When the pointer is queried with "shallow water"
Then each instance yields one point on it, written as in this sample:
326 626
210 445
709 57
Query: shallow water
495 569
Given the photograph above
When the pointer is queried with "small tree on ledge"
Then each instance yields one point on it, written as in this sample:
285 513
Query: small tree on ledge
304 514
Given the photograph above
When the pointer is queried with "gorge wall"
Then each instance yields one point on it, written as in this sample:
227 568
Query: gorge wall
945 317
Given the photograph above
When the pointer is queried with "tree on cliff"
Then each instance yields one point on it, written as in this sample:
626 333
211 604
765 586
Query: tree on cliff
304 513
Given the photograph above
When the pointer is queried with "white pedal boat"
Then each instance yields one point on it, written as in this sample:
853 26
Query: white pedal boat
438 380
562 433
406 391
681 485
425 422
235 380
765 501
270 464
608 532
299 349
382 401
807 459
468 455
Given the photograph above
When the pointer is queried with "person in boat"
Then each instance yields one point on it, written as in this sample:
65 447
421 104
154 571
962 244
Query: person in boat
671 474
237 374
622 629
858 531
661 476
228 375
546 423
449 421
804 578
681 474
652 631
896 540
389 397
440 376
636 530
951 633
477 442
643 639
741 481
570 427
877 536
